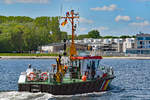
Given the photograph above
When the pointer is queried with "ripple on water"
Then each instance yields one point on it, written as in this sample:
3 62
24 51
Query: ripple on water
132 80
14 95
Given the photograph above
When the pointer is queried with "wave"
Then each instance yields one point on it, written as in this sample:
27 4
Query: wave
15 95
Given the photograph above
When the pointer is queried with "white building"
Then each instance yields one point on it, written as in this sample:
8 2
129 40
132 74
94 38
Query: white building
47 48
128 43
55 47
107 41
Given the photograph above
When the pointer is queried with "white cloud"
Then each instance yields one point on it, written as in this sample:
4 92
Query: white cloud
139 18
83 29
25 1
112 7
123 18
87 21
142 24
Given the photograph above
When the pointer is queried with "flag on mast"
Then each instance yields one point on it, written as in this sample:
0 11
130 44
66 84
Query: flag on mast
64 23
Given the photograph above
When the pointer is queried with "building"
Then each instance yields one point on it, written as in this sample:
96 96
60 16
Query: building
142 46
119 45
129 43
52 48
59 47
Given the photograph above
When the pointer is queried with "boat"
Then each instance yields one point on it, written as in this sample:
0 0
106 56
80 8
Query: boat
72 74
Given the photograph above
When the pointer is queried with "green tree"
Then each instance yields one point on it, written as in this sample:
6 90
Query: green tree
16 37
56 34
110 36
125 36
21 33
64 35
82 36
133 36
5 43
94 34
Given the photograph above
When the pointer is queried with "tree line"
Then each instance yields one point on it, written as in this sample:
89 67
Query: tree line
21 33
96 34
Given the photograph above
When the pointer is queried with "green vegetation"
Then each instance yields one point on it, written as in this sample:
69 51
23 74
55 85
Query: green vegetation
22 33
91 34
96 34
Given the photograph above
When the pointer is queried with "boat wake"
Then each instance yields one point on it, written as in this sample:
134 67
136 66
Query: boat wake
15 95
116 89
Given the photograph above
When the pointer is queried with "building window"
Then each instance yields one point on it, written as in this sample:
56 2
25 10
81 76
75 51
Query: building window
139 38
147 38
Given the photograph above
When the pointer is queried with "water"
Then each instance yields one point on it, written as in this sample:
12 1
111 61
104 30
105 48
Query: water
132 80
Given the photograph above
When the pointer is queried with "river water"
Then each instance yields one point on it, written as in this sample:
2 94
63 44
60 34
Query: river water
132 80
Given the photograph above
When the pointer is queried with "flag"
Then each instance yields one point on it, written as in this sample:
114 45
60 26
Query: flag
67 14
64 23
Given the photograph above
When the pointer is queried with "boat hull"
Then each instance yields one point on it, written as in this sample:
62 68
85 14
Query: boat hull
68 88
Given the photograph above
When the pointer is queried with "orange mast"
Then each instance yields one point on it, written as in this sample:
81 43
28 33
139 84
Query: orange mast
71 19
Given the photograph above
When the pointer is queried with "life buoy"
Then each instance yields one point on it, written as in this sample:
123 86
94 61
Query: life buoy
44 76
65 67
84 78
31 76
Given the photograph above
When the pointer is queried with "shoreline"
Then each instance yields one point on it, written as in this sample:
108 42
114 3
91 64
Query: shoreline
28 57
136 58
54 57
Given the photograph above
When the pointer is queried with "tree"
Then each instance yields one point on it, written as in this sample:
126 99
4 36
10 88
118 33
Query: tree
64 35
125 36
16 37
110 36
80 37
94 34
5 43
133 36
56 34
21 33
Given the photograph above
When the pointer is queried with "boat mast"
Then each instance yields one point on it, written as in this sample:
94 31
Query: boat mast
71 18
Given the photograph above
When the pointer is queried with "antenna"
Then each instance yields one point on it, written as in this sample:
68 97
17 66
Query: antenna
78 20
61 9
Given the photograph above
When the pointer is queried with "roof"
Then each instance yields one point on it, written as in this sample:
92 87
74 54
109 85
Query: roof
143 35
87 57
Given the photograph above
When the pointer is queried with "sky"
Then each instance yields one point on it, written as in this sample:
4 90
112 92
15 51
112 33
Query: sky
110 17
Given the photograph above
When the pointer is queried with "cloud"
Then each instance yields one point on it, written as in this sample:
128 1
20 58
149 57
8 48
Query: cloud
101 28
139 18
25 1
83 29
87 21
123 18
112 7
142 24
